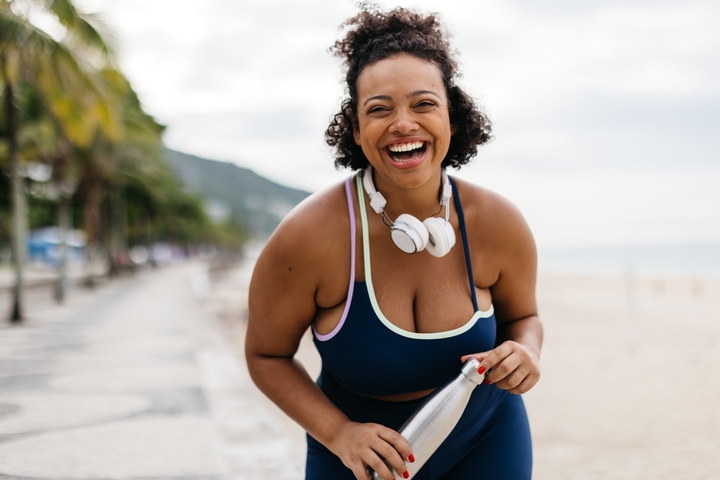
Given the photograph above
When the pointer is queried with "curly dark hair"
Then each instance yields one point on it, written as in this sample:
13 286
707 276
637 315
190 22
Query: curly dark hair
374 35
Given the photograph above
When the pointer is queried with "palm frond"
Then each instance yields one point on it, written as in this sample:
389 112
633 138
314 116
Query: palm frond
17 33
87 31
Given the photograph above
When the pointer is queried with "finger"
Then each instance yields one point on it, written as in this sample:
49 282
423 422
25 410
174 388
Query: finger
401 445
513 379
477 356
502 369
362 471
375 462
494 357
529 382
390 456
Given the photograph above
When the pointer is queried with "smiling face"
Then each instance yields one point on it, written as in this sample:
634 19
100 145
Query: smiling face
403 123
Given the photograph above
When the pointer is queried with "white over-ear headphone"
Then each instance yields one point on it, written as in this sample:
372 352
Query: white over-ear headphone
407 232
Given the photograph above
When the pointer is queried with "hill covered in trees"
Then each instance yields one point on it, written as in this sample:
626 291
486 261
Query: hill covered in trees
230 191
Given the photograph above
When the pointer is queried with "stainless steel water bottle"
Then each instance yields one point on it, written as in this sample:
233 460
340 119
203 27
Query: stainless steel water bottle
430 425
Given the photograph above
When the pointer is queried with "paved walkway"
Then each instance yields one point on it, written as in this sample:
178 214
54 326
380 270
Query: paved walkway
39 275
135 380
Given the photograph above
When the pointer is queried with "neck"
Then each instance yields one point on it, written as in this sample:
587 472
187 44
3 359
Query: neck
421 201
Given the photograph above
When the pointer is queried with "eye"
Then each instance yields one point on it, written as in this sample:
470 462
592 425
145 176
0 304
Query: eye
425 105
378 109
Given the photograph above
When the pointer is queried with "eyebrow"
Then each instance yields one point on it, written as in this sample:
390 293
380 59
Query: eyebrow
416 93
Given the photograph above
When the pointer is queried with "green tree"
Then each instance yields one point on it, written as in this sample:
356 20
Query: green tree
62 71
66 103
134 157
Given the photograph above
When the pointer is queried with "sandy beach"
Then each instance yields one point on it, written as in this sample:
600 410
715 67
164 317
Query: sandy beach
630 386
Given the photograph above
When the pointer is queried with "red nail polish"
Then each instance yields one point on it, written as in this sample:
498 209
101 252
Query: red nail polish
411 458
406 474
481 370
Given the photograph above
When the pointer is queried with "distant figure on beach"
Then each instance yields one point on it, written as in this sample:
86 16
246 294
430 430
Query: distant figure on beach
402 272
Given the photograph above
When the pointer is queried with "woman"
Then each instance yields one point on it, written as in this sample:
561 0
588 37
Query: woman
391 327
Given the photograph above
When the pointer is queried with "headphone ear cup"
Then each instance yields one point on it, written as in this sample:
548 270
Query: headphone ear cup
409 234
441 236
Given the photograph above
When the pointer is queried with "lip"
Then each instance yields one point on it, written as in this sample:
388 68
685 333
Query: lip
410 163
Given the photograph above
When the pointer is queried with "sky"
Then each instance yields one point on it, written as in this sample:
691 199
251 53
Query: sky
605 113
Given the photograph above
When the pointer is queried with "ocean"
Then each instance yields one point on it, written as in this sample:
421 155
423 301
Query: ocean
691 260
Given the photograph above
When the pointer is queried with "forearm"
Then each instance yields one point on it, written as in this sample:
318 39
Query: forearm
526 331
286 382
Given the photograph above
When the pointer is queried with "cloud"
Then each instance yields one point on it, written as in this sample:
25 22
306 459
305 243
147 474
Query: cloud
611 207
604 110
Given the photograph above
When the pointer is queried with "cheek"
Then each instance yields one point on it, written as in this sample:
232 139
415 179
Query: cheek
358 127
447 129
445 138
365 133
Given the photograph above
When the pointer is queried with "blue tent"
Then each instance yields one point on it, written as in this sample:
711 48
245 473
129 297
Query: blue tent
43 245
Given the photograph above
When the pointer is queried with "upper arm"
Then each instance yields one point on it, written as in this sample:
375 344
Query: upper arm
281 302
287 277
514 291
512 257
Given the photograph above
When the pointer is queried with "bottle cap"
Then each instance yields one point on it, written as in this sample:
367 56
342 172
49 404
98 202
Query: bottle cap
470 370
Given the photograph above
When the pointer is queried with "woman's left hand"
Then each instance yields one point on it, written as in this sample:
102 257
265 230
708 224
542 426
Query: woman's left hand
512 366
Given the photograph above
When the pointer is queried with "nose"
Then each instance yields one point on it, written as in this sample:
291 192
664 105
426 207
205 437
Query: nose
404 122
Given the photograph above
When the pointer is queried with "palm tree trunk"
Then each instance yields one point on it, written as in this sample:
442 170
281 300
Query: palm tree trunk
64 225
19 202
92 214
118 227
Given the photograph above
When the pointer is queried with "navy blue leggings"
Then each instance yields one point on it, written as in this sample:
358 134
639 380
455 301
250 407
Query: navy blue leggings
490 442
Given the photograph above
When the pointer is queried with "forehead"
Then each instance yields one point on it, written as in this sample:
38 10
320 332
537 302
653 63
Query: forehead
399 74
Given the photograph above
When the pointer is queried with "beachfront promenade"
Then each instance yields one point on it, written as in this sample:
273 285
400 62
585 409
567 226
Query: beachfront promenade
135 380
143 378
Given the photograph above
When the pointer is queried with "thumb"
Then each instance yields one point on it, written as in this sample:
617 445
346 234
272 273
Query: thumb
477 356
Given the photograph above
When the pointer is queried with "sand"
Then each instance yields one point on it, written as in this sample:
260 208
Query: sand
630 387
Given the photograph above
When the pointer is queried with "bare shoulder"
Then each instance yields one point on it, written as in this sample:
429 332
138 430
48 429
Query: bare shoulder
491 213
497 229
307 238
292 272
503 246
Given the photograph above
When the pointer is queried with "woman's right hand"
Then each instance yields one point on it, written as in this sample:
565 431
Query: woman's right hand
362 445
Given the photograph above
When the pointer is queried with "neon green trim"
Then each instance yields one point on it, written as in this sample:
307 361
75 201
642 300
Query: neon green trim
371 291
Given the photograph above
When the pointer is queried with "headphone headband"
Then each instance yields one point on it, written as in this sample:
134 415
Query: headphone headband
378 202
407 232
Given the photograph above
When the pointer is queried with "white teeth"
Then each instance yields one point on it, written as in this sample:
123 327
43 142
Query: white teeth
405 147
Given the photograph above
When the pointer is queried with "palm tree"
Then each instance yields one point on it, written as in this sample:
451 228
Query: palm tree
62 71
19 206
136 160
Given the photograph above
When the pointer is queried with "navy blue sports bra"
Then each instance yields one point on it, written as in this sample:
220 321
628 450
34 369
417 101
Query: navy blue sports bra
369 355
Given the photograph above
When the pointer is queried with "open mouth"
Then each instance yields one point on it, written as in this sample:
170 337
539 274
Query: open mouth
404 152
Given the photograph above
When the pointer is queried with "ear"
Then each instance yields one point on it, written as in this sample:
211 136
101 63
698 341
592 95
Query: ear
356 134
452 130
